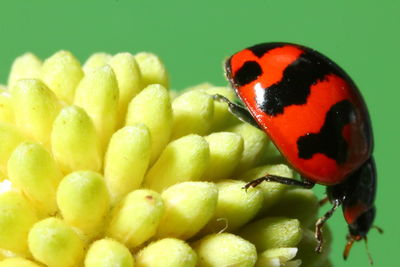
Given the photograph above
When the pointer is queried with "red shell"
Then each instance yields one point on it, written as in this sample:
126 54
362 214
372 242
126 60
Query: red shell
309 107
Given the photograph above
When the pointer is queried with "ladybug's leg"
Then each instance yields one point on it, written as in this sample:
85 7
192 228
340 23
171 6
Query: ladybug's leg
240 112
323 201
279 179
320 223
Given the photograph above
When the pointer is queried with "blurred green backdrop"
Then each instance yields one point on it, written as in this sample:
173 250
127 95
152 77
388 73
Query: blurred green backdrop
194 37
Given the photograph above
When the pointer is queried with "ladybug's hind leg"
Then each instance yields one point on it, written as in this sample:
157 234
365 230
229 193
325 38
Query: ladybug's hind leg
279 179
320 223
240 112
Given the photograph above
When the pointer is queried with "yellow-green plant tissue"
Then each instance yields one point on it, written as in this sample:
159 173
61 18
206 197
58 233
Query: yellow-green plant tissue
103 164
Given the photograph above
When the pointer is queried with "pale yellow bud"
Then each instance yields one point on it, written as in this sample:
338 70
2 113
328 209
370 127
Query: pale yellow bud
135 219
297 203
222 117
129 80
83 200
188 207
127 160
17 216
54 243
307 247
272 192
152 69
6 107
152 107
184 159
193 112
96 61
97 94
75 144
10 138
27 66
225 250
235 206
225 152
35 108
276 257
18 262
168 252
107 253
272 232
32 169
255 145
62 72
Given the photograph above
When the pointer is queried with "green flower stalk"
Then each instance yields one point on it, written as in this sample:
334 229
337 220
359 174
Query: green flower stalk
101 166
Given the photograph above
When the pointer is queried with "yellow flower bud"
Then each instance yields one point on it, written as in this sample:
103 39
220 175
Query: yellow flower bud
17 216
10 138
168 252
108 252
35 108
272 192
97 94
235 206
96 61
75 144
129 80
255 144
225 250
276 257
83 200
185 159
307 247
127 160
188 207
193 112
152 69
222 118
27 66
135 219
32 169
6 107
54 243
298 203
152 107
62 72
18 262
272 232
225 152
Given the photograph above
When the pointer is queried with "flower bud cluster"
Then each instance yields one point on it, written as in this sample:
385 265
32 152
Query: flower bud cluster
102 165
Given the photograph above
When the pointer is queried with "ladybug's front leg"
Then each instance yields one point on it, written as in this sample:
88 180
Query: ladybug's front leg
240 112
279 179
320 223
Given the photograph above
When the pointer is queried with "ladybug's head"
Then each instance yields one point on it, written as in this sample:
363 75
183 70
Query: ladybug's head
359 229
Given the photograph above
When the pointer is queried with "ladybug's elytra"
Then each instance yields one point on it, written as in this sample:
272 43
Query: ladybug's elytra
317 118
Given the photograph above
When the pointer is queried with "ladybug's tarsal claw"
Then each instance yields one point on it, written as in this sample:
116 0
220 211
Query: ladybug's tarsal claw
238 111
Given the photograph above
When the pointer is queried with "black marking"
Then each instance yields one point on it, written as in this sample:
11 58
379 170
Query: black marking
247 73
260 49
329 141
294 88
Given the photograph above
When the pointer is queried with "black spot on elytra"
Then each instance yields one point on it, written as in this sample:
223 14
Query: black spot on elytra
247 73
294 87
329 141
260 49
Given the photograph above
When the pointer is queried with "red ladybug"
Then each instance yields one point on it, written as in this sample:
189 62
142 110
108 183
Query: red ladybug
317 118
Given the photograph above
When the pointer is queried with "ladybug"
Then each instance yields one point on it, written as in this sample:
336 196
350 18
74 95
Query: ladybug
315 115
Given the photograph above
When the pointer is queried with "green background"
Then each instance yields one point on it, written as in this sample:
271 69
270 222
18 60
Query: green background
194 37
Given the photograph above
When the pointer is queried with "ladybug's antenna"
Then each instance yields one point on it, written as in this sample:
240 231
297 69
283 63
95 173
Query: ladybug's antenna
347 249
380 230
369 254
